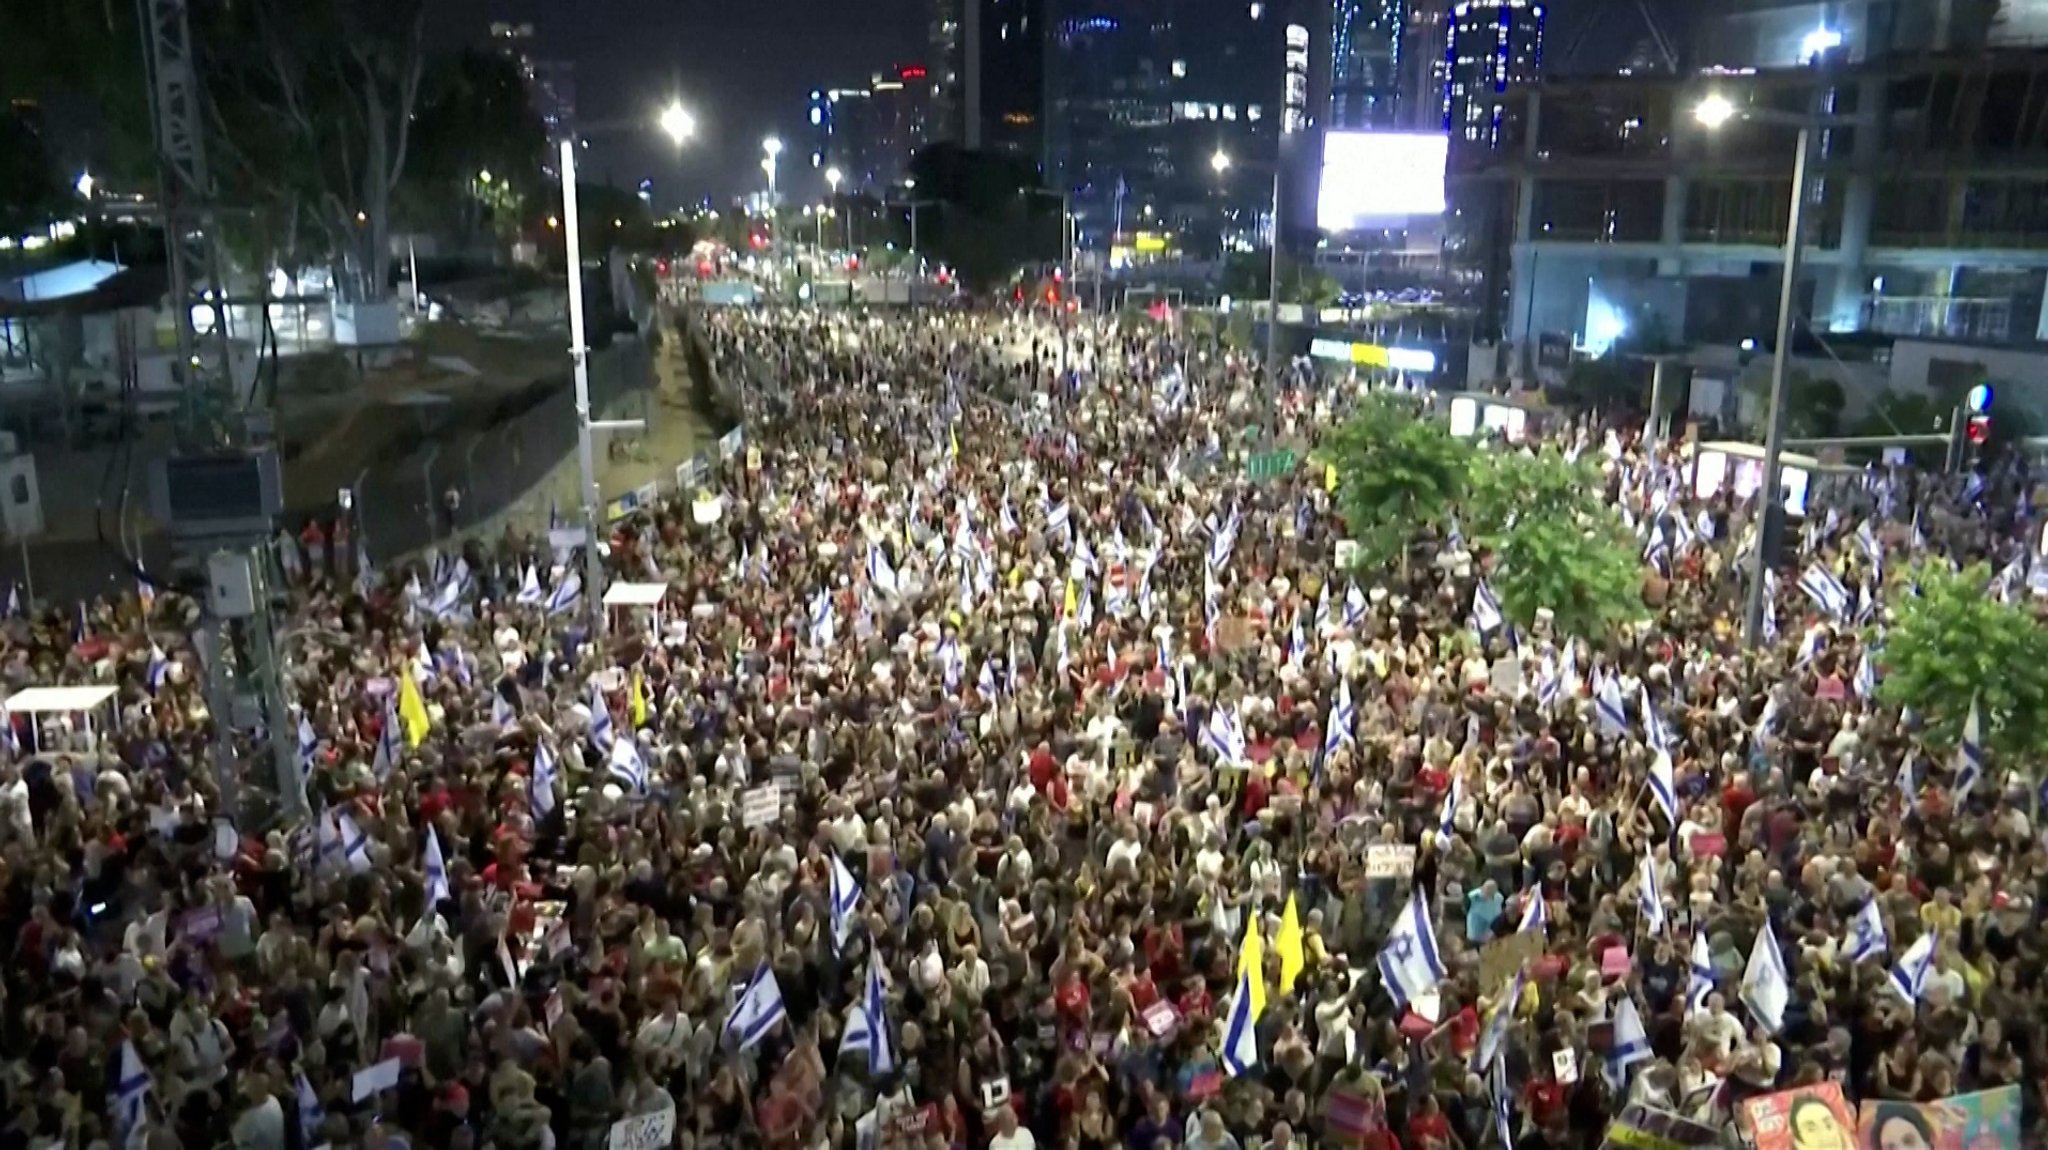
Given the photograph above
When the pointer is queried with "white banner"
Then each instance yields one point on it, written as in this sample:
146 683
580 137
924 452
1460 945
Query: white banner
655 1131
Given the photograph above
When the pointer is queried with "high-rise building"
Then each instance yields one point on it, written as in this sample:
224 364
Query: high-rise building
942 50
870 133
1367 41
1424 69
550 84
1491 46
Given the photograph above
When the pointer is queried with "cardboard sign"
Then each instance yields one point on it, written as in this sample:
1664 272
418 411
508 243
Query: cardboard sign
1566 1063
1615 962
374 1080
1501 958
1235 633
656 1131
1350 1114
1389 860
1707 844
761 806
1161 1018
200 926
995 1094
1506 677
1347 554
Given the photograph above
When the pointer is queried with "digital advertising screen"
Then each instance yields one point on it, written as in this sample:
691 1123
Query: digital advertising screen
1380 179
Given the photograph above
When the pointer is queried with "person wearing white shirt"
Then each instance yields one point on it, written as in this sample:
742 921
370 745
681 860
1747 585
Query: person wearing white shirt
661 1040
970 974
1009 1135
1714 1027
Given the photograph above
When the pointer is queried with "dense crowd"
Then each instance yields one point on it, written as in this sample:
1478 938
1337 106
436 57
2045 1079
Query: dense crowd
1006 767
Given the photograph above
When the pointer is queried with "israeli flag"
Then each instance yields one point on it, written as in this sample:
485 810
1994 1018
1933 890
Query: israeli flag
1056 516
389 749
437 871
1343 717
312 1115
1866 678
822 623
1867 937
1765 989
1535 916
1486 612
600 720
626 765
14 610
881 573
1649 900
131 1094
1609 709
1970 753
1354 607
1702 979
1222 735
542 795
1653 723
1825 590
845 900
1409 963
867 1024
1664 787
758 1008
1447 818
1502 1103
1492 1038
1909 781
502 715
309 743
530 591
1631 1042
159 668
1240 1035
1908 979
565 594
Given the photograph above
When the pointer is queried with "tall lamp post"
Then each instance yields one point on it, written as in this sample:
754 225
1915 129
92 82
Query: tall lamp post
771 151
1713 112
679 125
1222 163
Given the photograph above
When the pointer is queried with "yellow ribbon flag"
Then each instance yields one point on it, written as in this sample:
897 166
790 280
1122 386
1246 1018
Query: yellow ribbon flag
1329 477
412 710
1073 604
953 443
639 704
1288 946
1251 962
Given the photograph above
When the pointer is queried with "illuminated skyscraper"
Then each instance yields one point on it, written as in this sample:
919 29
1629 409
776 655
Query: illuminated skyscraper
1491 45
1366 42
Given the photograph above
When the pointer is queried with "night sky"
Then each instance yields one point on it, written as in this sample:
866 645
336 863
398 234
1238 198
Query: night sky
746 68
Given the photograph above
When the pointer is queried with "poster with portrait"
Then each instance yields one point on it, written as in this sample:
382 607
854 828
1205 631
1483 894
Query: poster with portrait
1986 1120
1808 1118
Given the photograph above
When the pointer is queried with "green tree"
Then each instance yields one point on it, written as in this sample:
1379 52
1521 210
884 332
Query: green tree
1556 542
1396 476
1813 406
475 119
1953 643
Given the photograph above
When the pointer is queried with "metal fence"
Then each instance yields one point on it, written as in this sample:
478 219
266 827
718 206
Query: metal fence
448 468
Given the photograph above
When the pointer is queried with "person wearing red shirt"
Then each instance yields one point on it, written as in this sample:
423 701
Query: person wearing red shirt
1428 1129
1546 1099
1043 767
1736 799
1194 1001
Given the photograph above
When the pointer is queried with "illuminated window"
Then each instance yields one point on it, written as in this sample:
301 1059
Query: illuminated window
1230 112
1180 69
1253 113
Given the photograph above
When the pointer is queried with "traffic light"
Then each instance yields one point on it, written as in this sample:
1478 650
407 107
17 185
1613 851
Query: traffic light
1978 430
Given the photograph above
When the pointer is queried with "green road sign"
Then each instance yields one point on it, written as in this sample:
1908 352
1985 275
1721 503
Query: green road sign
1269 464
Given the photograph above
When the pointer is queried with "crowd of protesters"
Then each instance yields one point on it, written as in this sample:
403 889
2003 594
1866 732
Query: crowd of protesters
995 725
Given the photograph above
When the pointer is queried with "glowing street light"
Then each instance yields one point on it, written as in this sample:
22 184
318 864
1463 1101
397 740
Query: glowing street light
772 146
1715 110
832 178
1220 161
677 122
484 177
85 185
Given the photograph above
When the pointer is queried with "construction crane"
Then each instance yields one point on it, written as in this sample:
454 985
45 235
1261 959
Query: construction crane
237 638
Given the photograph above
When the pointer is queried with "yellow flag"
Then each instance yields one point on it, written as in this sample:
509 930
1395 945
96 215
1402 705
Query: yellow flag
412 710
953 443
1073 605
1288 947
639 700
1329 477
1251 962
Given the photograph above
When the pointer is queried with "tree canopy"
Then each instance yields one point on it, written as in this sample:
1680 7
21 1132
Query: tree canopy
987 217
1954 643
1397 475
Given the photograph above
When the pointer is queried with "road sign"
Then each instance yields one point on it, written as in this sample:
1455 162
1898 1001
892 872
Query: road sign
1269 464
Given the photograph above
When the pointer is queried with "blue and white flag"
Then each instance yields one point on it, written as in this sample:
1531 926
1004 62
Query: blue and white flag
1908 979
1608 708
1649 899
1410 966
1825 590
1241 1033
1535 915
1865 682
626 765
1702 978
1502 1103
1867 937
1766 990
1343 717
542 795
1447 818
438 890
1664 788
530 591
1653 723
1970 754
600 720
566 593
1222 735
308 743
756 1011
131 1094
1486 612
159 668
1493 1036
845 895
867 1024
1631 1042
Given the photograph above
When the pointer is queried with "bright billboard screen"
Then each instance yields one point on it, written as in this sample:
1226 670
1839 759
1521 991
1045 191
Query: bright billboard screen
1380 179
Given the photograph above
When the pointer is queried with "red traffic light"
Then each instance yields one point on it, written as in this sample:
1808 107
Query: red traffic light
1052 295
1978 431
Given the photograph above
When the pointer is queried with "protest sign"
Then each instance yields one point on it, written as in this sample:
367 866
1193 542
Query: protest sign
1501 958
1988 1119
656 1131
1641 1127
1390 860
761 806
1797 1119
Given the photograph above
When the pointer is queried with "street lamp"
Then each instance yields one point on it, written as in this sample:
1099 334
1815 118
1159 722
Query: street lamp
771 149
832 177
1221 163
1712 112
678 124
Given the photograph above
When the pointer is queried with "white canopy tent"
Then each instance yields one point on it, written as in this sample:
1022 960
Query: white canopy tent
81 701
637 596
